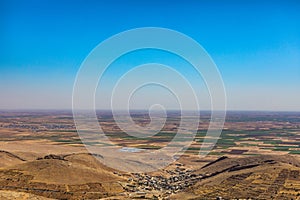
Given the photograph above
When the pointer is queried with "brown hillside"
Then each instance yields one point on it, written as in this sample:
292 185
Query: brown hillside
260 177
73 177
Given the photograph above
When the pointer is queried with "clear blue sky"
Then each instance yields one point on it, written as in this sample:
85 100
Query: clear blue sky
255 44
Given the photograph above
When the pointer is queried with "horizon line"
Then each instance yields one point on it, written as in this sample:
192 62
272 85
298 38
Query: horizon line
122 110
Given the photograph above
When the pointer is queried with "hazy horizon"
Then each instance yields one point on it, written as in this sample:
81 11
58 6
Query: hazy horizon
139 110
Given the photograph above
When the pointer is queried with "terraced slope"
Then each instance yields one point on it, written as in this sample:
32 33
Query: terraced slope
260 177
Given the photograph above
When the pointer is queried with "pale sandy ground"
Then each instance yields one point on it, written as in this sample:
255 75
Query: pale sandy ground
29 149
9 195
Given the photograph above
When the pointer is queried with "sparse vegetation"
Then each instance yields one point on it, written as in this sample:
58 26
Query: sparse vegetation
47 149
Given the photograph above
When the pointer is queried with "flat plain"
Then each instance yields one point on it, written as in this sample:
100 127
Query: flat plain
256 157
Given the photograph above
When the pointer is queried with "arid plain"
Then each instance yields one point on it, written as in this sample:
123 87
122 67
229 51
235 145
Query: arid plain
256 157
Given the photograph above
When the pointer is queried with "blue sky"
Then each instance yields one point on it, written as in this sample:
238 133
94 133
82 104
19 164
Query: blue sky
256 46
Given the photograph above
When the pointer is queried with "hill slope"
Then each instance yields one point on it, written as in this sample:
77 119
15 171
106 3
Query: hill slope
81 176
64 177
259 177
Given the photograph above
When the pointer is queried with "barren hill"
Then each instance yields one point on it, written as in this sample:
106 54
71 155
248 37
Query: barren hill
72 176
82 176
8 159
258 177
